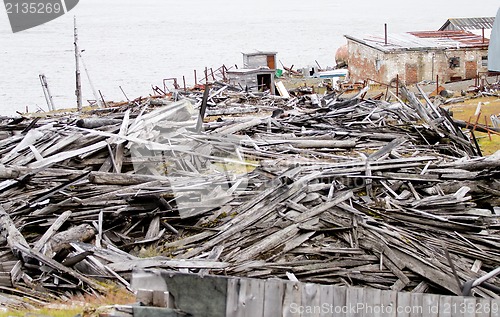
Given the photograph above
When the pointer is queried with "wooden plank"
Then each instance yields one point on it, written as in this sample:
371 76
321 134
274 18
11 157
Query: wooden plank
403 307
354 302
196 296
430 305
483 307
15 240
255 298
238 127
273 298
416 305
164 262
292 301
269 243
61 144
233 292
434 275
389 299
445 306
465 306
242 297
66 155
52 229
29 139
340 301
311 297
495 308
120 147
372 302
326 300
61 268
5 279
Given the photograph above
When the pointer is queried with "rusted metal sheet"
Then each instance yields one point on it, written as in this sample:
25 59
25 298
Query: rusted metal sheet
463 38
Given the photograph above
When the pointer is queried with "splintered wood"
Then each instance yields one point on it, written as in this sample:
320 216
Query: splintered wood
319 189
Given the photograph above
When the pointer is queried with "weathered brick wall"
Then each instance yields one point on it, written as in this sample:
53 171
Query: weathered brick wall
412 66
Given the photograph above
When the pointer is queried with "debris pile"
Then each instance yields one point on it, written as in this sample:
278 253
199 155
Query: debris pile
315 188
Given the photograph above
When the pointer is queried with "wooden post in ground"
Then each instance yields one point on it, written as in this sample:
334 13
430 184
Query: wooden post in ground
78 91
46 92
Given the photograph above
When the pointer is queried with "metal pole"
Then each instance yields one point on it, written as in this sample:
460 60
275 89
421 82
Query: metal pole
78 91
437 85
397 85
195 80
483 33
124 93
385 33
203 107
184 81
102 98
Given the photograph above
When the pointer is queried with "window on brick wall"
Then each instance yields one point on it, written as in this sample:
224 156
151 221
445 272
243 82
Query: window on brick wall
454 62
484 61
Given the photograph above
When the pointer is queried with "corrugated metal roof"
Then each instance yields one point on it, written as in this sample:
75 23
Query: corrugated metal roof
468 24
428 40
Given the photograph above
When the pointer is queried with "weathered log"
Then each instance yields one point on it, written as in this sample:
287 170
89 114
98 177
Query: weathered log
53 229
62 240
122 179
92 123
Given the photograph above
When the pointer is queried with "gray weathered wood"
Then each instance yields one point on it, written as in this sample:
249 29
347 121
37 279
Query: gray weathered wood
292 300
15 240
52 230
273 294
311 300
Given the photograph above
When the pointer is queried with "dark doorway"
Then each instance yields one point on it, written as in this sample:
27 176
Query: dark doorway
264 82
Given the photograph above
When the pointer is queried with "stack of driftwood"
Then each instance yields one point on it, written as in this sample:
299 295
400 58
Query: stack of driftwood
311 188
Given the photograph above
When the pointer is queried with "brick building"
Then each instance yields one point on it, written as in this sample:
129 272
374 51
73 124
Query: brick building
417 56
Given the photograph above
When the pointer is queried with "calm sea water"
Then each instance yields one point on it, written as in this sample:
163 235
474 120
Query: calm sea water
135 44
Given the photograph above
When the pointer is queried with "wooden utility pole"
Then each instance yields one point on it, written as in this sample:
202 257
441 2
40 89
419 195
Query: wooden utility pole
78 91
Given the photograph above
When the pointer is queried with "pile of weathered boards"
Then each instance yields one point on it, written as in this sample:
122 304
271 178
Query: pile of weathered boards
321 189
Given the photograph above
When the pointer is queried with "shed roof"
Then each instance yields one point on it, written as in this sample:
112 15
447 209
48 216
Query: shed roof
468 24
260 53
246 71
427 40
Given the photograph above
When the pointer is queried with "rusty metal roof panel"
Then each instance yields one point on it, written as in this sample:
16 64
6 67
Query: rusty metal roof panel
468 24
428 40
464 38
